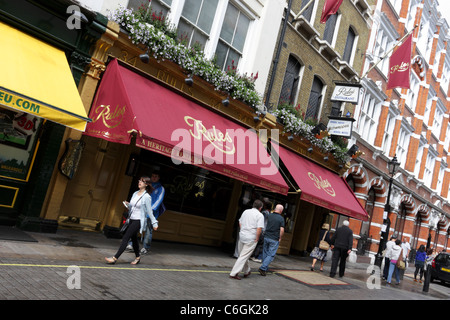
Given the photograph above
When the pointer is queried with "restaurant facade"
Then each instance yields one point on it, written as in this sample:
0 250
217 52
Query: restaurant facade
215 155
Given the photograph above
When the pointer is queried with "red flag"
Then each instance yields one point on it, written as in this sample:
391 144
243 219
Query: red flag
400 66
329 8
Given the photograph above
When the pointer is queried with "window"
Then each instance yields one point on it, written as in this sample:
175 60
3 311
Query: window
368 123
386 38
413 93
308 12
330 29
232 37
370 204
315 100
429 168
403 144
218 27
291 80
349 46
196 20
189 189
422 143
388 132
438 119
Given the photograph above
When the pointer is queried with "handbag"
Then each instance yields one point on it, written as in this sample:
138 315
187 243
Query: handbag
400 263
127 221
323 244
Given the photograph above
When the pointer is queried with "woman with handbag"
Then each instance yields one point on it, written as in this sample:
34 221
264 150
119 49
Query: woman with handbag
394 253
321 249
140 207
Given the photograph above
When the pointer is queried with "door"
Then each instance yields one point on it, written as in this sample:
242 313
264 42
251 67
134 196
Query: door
88 194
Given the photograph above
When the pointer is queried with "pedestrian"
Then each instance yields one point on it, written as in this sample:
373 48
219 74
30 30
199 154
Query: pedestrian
257 254
387 261
139 206
341 244
394 253
421 255
274 233
318 253
406 248
251 224
157 196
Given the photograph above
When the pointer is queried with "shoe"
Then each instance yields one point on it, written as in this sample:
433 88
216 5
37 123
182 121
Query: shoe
246 275
262 272
136 261
312 268
111 260
420 281
235 277
415 280
321 270
129 247
144 251
256 259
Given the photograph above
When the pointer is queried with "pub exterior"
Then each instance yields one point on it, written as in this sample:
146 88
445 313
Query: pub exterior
147 113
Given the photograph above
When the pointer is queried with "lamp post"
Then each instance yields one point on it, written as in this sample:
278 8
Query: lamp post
393 167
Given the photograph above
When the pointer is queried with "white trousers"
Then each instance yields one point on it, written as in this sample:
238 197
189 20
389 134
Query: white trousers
245 252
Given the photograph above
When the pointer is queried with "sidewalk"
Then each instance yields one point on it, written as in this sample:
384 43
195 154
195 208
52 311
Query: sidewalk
82 248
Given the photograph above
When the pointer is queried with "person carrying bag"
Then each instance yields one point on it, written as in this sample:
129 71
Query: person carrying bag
141 207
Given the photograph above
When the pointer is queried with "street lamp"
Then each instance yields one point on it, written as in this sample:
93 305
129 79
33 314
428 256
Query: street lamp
393 167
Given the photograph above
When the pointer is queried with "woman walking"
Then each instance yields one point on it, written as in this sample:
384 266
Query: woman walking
139 209
420 262
321 254
393 253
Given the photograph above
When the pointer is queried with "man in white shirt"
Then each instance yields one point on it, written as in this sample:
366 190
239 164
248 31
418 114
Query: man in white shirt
251 224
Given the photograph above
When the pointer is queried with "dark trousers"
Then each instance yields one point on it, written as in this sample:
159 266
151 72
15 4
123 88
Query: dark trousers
387 262
339 258
130 234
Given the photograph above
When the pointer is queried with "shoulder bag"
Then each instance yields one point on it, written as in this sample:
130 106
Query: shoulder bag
323 244
127 222
400 263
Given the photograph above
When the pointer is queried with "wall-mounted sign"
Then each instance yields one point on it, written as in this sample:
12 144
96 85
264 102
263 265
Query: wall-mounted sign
340 126
346 92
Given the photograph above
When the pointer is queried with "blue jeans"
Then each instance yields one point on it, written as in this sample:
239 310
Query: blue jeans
148 237
269 251
393 268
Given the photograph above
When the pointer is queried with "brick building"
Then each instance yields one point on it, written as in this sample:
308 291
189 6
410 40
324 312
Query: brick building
409 124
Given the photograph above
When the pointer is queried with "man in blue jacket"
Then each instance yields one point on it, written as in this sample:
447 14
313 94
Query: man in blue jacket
157 199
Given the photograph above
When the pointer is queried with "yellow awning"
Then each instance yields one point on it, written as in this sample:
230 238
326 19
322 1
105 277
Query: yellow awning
36 78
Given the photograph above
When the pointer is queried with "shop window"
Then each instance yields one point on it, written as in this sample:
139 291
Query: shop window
251 193
189 189
18 138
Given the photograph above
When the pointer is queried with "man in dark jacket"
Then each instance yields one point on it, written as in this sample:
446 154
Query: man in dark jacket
341 244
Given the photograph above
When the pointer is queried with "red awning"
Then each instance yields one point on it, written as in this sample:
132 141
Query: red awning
321 186
173 125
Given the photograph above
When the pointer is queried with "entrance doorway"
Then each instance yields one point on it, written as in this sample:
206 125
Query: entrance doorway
88 195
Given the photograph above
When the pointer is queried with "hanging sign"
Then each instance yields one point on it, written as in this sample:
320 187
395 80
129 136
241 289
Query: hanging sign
340 126
347 92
